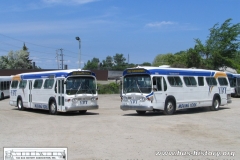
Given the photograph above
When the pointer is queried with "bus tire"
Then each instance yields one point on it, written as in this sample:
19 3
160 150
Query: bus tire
53 108
215 104
82 111
141 112
169 108
20 104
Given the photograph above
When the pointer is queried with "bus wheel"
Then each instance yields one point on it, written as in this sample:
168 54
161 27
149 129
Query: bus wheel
20 104
215 104
82 112
141 112
169 107
53 108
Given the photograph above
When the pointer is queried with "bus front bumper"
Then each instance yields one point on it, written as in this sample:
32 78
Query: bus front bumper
79 108
137 107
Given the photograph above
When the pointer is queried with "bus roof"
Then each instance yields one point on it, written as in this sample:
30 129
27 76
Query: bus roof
5 78
173 71
232 75
51 74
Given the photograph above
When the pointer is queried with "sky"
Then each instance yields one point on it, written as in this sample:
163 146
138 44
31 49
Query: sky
138 29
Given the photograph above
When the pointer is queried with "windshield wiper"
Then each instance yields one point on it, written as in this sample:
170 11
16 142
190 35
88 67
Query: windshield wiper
135 81
138 87
79 88
125 90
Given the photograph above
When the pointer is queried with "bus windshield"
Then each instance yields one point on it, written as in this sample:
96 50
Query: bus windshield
137 84
80 85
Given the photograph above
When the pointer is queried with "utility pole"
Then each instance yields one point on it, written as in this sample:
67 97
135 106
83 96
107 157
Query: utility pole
61 58
57 59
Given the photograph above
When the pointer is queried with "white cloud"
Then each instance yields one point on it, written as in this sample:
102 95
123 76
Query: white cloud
68 1
160 24
51 27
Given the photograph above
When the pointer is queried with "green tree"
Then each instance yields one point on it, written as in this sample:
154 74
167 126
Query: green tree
16 60
93 64
180 60
163 59
193 58
146 64
119 62
107 63
222 45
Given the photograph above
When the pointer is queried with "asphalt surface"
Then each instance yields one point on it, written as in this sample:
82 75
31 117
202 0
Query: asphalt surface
110 133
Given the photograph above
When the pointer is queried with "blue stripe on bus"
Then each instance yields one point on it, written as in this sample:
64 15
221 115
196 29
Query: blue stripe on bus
149 95
46 75
186 72
231 75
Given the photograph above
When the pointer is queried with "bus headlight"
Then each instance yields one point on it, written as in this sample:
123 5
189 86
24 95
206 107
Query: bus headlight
67 100
94 98
124 98
74 100
143 99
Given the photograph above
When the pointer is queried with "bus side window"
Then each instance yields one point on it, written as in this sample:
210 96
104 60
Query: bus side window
200 81
22 84
175 81
165 84
38 83
55 88
48 84
14 84
211 81
1 86
8 84
157 83
222 81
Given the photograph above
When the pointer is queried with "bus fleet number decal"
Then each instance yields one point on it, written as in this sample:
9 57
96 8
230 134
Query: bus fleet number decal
133 101
13 92
83 102
222 90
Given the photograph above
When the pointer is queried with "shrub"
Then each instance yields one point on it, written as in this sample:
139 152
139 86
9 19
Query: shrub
111 88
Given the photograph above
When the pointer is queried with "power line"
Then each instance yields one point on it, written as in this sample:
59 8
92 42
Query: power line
25 41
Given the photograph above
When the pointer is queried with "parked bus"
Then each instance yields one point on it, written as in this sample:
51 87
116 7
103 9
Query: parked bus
5 82
171 89
56 91
234 80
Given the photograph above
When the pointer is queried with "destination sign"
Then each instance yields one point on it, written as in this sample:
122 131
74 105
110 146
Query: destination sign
81 73
136 71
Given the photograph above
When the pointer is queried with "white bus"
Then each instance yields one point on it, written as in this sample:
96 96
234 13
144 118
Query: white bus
56 91
5 82
234 80
171 89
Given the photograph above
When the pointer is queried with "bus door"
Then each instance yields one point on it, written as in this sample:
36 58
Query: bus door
158 87
30 93
60 94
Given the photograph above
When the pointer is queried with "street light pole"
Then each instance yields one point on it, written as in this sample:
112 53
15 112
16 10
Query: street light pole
79 56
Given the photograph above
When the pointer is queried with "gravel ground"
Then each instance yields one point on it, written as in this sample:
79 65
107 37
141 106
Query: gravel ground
110 133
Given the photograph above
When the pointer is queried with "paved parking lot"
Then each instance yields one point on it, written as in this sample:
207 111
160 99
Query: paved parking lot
110 133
